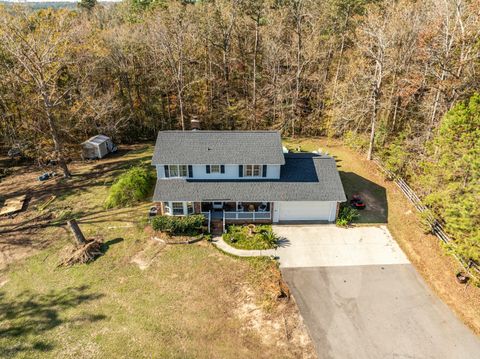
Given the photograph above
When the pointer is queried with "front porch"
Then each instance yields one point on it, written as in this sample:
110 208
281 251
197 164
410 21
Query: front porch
239 212
219 214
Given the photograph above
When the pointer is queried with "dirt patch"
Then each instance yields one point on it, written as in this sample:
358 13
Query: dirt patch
145 257
25 233
283 327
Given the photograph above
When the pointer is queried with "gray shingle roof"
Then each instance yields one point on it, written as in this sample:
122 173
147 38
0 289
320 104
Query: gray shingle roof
218 147
304 177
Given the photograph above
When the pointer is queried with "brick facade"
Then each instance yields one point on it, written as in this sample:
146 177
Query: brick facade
197 207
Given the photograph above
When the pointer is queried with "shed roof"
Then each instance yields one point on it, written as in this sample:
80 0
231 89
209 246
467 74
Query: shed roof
305 177
218 147
97 139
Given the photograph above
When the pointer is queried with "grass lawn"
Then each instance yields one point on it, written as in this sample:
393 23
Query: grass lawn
141 298
386 204
246 237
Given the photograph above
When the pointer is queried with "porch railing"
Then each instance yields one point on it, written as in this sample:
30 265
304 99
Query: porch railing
247 215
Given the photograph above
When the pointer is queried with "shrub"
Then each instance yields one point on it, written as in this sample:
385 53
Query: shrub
131 187
261 237
269 237
346 216
356 140
178 225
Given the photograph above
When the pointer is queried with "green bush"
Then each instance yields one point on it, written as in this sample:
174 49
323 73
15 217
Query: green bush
269 237
346 216
132 186
178 225
262 237
356 141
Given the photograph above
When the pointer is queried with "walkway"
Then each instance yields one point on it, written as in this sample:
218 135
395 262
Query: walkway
220 243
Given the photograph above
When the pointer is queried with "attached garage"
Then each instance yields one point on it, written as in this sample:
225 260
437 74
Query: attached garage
304 211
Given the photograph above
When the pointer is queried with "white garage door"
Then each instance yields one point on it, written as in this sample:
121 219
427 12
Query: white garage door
304 211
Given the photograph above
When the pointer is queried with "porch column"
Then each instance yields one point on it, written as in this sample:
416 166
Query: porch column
160 208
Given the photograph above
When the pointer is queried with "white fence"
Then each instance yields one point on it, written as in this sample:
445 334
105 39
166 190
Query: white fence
435 225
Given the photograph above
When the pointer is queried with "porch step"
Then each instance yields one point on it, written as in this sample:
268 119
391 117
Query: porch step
216 227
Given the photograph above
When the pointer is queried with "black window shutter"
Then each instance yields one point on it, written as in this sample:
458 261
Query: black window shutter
167 173
208 168
222 169
190 171
240 171
264 172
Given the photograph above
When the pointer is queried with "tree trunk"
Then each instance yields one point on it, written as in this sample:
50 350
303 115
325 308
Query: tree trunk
55 137
372 131
76 231
340 59
254 94
375 101
180 104
299 60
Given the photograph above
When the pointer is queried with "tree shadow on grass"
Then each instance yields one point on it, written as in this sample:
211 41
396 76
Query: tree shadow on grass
374 196
106 245
25 320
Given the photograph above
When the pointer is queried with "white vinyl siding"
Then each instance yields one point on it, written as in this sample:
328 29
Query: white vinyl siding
231 172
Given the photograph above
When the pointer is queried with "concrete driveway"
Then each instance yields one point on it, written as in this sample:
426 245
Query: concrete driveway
361 298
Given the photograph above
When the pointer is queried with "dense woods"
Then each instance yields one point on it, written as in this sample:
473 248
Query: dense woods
395 78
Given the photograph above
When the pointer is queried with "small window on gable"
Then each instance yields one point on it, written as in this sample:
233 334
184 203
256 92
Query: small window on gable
214 168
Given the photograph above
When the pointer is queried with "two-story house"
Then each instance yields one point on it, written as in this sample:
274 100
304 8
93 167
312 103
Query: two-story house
243 177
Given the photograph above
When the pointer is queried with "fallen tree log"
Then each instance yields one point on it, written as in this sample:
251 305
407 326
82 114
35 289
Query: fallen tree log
76 231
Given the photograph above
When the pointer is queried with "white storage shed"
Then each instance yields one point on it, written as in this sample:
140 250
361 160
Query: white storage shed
97 147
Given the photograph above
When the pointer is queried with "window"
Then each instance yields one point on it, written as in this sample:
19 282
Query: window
182 169
177 208
178 170
190 208
214 168
251 170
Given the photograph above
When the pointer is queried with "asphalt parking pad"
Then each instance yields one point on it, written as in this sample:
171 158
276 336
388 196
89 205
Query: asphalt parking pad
361 298
377 312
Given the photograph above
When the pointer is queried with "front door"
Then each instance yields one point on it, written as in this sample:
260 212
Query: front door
217 205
